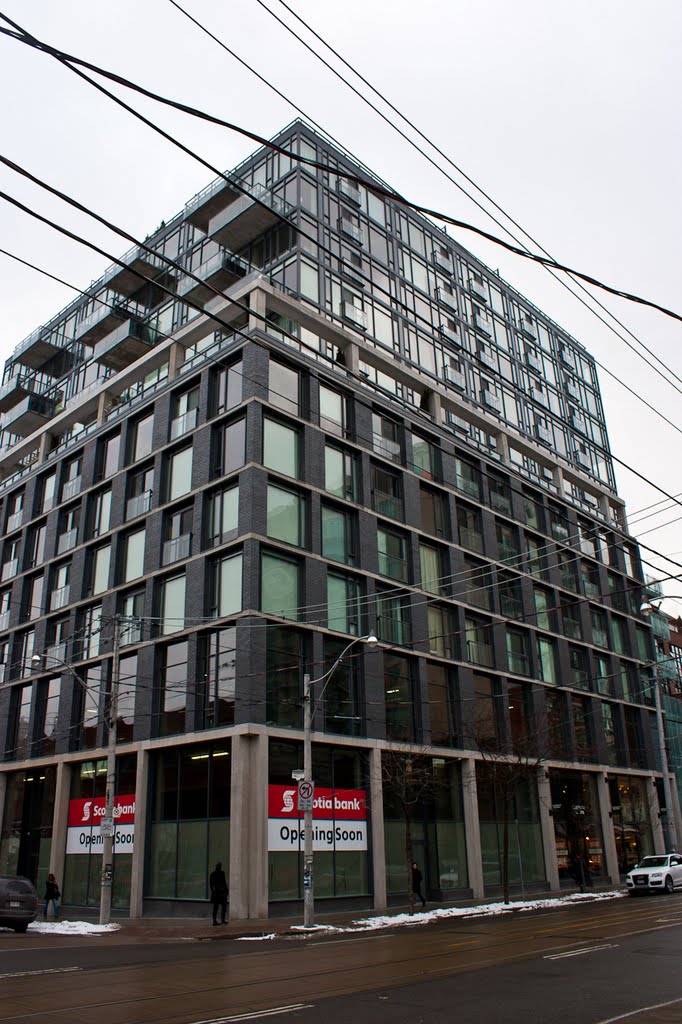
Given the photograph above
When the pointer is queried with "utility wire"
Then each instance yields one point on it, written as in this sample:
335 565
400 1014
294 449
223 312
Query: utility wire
66 61
69 59
438 167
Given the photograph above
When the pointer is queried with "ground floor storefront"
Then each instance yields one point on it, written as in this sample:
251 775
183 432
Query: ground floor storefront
181 808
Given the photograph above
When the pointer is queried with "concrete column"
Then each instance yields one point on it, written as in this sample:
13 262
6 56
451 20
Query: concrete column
655 816
137 871
502 442
433 405
248 879
472 830
176 357
45 447
675 810
609 839
547 829
376 807
105 404
258 304
351 358
3 797
558 480
60 821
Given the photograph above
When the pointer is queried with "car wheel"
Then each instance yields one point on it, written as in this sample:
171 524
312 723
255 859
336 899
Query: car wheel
20 927
669 884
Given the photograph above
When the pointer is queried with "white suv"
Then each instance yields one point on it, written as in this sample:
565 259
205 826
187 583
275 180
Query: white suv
656 874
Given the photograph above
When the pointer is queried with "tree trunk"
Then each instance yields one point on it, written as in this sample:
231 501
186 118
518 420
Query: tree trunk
408 855
505 847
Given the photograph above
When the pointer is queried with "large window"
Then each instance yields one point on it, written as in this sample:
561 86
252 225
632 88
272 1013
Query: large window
342 693
227 388
469 528
386 437
179 474
284 390
280 447
140 491
433 512
338 535
173 688
340 474
190 819
141 437
392 549
172 605
133 558
441 632
332 411
398 697
227 585
431 564
109 455
177 535
479 645
223 515
279 585
547 660
285 515
518 658
393 617
99 569
219 652
231 447
387 497
284 676
343 603
100 516
184 412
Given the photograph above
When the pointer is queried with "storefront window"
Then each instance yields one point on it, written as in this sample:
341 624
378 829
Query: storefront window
526 860
26 837
340 826
190 822
631 820
83 863
577 828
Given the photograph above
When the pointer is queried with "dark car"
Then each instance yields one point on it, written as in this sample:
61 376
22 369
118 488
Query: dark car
18 902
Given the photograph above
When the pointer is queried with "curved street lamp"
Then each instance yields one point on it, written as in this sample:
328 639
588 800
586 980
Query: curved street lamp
308 711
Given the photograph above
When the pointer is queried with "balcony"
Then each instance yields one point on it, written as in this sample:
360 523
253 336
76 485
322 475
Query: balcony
70 488
443 262
470 539
104 320
482 324
467 486
59 598
351 230
176 548
591 589
15 390
55 655
210 202
131 632
518 664
124 345
528 327
393 566
183 424
247 217
533 362
447 299
455 378
492 400
507 552
217 273
511 607
9 570
67 540
355 314
349 190
568 580
478 289
31 414
500 502
138 505
15 520
387 504
39 348
480 654
600 637
126 280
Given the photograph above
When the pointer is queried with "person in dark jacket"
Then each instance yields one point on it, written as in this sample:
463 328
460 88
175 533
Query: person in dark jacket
52 894
218 884
417 882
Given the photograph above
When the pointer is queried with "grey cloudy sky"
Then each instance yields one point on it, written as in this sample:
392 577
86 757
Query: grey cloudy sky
566 114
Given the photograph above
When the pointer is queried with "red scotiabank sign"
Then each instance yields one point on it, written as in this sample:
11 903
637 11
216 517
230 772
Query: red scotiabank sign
83 813
336 804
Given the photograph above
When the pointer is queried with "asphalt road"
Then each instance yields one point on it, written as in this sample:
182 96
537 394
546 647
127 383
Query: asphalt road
591 963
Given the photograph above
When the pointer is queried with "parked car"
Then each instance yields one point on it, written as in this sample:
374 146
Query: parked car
18 902
661 873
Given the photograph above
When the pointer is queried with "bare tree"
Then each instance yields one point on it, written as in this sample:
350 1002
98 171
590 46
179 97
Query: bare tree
407 775
511 760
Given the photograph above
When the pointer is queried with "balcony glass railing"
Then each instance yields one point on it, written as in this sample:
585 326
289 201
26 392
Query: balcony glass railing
15 520
139 504
177 547
480 653
9 569
59 598
70 488
387 504
67 540
182 424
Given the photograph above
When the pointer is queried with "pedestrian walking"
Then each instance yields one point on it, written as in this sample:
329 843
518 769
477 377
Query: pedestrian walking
417 882
218 885
52 894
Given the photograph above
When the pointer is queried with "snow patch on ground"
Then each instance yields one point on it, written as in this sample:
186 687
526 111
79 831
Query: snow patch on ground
71 928
367 924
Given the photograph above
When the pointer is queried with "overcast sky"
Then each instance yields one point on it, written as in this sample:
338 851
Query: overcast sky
565 114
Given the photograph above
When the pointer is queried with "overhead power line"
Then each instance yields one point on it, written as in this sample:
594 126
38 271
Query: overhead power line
33 42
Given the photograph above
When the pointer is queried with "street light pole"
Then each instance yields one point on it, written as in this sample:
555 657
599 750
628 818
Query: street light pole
308 711
107 826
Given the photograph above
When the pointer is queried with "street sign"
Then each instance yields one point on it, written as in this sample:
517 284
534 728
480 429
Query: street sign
107 827
306 793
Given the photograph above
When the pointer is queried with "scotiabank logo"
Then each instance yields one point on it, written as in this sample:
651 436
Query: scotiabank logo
91 812
333 804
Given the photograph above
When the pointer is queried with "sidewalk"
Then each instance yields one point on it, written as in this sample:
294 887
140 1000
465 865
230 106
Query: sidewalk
167 929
